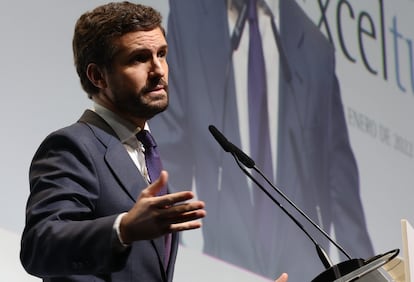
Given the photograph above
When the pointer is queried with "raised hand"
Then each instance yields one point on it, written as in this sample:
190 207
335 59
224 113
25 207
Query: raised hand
153 216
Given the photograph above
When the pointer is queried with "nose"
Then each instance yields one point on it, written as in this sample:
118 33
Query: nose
158 67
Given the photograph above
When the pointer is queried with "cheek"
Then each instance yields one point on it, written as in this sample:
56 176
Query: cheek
166 72
136 79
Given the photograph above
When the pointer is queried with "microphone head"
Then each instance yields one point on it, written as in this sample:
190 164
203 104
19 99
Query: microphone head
230 147
225 144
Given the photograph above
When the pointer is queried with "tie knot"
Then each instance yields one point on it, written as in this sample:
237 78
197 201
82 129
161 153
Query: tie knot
146 139
252 10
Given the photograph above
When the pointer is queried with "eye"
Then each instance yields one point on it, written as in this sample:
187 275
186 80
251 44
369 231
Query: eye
141 57
162 53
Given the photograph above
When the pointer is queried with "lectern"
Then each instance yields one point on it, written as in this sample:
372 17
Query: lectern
359 270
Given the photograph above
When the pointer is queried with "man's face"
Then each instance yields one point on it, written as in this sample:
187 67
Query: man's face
137 80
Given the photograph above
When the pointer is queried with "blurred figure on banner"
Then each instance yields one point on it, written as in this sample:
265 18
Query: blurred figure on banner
264 75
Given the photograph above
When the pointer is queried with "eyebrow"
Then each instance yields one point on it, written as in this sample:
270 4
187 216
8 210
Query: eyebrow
143 49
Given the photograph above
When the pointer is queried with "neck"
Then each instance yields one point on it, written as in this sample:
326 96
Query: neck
135 121
273 5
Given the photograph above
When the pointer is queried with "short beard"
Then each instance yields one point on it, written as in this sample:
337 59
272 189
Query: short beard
136 106
148 112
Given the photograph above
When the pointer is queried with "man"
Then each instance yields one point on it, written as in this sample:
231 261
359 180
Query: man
92 214
313 160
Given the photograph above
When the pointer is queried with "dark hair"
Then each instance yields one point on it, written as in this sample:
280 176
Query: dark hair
95 31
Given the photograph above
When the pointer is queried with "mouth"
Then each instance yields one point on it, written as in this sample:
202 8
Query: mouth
156 87
159 89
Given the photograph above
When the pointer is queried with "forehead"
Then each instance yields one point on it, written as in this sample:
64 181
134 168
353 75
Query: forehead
151 39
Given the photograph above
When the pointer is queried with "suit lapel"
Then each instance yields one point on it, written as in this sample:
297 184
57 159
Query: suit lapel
128 175
217 66
116 156
121 165
293 94
293 41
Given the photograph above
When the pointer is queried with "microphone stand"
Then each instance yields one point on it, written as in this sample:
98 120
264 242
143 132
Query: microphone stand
336 273
242 158
348 270
301 212
319 249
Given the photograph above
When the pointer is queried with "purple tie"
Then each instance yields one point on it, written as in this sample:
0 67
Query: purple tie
260 149
152 157
154 167
257 97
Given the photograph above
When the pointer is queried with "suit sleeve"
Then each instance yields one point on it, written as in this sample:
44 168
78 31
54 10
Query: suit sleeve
344 181
63 233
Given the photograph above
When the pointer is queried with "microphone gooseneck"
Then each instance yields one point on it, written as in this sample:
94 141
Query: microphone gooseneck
348 270
242 158
302 213
320 251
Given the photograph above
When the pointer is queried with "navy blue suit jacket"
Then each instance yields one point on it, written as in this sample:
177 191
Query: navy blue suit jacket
81 178
316 166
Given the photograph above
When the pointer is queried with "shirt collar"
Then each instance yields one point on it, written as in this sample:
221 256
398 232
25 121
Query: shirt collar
124 129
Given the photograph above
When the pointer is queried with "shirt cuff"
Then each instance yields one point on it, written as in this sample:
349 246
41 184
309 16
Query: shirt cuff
116 226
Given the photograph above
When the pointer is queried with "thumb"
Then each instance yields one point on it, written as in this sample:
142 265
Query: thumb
282 278
157 185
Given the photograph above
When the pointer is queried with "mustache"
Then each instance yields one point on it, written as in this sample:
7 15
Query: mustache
153 83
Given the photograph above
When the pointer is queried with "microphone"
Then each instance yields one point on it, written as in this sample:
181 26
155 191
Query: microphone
351 269
230 147
249 163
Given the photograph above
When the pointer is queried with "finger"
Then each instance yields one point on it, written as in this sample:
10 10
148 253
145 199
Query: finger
282 278
182 221
190 216
155 187
185 226
182 208
174 198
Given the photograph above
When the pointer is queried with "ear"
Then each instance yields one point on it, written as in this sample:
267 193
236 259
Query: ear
96 76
